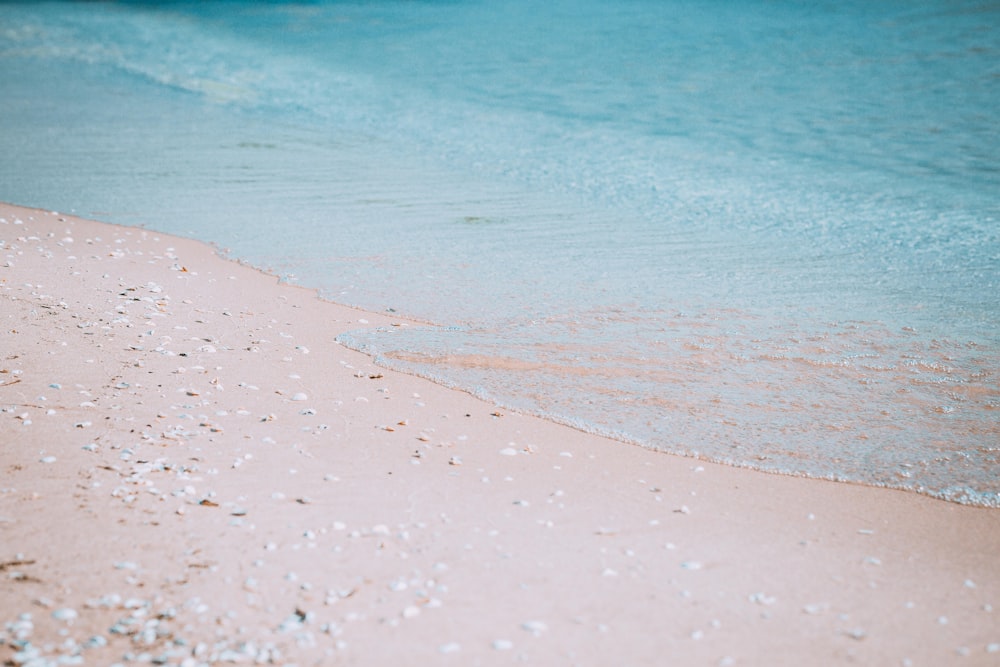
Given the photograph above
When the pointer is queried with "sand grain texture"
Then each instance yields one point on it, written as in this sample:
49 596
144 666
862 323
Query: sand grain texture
193 471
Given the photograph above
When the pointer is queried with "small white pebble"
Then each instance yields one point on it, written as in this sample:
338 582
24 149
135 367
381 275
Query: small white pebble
450 648
503 644
534 627
763 599
300 396
65 614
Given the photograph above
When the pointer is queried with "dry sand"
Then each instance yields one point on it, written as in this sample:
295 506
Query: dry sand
195 472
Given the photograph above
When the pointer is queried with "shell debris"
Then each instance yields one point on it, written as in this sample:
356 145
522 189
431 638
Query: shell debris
536 628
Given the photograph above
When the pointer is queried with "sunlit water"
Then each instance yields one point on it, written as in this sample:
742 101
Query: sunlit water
761 234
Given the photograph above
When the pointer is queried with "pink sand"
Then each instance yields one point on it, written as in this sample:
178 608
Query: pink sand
193 470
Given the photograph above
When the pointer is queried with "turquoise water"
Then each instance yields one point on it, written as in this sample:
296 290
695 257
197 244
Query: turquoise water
765 234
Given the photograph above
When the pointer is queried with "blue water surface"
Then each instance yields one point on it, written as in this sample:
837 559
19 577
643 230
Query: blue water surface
760 233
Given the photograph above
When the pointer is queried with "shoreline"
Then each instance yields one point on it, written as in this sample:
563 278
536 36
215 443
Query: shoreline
195 470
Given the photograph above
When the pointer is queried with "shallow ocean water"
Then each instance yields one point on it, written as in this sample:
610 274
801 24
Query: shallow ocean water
765 235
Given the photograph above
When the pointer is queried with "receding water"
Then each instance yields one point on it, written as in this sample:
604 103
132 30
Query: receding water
765 234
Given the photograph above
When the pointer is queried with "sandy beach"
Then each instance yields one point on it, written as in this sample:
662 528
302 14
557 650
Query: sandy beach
195 472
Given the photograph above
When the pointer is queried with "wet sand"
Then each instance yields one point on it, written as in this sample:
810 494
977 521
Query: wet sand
195 472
